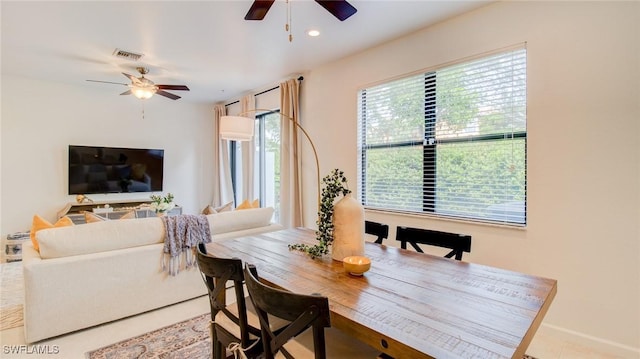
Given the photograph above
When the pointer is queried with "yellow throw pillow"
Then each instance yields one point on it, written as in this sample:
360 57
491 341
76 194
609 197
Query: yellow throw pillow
244 205
247 205
41 223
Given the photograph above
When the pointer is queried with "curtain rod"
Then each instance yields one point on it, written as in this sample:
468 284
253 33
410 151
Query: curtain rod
260 93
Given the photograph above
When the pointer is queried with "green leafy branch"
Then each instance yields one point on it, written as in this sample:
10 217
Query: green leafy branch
334 185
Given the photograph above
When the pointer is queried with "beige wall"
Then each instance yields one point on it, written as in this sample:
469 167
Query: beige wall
40 120
583 150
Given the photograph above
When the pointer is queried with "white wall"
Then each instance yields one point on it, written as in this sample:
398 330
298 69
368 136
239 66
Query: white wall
583 150
40 119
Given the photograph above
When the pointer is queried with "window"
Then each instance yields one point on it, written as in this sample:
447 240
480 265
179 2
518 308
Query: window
266 162
450 142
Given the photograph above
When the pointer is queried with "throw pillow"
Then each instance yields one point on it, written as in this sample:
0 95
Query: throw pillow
40 223
225 207
247 205
211 210
208 210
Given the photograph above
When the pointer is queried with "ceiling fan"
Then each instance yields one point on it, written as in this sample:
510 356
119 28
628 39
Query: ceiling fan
341 9
143 88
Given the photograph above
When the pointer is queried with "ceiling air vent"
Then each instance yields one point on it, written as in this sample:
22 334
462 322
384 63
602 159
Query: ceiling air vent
127 55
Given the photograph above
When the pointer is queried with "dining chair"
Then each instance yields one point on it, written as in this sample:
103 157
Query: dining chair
377 229
229 323
458 243
308 317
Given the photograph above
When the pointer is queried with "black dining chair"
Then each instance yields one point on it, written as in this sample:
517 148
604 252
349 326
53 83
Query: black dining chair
458 243
230 323
377 229
309 333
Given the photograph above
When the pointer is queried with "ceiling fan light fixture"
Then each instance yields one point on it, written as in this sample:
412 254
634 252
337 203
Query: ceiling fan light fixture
143 93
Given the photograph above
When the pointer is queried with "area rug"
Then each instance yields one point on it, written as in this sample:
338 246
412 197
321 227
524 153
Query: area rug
12 297
188 339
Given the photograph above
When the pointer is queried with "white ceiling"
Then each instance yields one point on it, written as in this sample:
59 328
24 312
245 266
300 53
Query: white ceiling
206 45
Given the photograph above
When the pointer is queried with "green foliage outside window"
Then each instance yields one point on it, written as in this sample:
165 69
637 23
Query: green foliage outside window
475 114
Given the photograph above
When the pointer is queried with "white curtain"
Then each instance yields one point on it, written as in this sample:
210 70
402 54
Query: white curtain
290 179
222 186
248 150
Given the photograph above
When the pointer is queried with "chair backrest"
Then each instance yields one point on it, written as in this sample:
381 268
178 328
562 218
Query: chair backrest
377 229
458 243
216 272
303 311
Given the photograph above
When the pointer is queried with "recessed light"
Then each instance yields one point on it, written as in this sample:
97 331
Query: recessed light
313 33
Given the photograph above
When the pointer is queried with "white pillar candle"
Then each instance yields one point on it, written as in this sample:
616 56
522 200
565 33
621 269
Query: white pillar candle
348 229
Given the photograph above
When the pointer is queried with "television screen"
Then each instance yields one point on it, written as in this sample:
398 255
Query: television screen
95 170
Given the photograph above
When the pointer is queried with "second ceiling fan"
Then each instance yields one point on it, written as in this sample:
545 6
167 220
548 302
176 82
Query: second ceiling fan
341 9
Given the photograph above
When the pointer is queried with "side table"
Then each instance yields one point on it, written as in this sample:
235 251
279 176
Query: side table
12 246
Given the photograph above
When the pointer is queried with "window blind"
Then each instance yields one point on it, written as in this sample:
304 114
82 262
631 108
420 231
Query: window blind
450 142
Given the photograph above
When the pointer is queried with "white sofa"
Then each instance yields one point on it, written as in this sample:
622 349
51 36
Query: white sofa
89 274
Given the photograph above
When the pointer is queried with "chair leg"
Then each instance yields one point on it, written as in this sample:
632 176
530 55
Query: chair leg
216 346
218 350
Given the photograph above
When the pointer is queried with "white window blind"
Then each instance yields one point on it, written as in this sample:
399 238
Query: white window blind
450 142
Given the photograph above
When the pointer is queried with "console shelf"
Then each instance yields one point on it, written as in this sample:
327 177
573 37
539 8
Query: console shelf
116 210
119 205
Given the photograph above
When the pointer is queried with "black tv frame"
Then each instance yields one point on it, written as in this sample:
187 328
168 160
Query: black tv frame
103 169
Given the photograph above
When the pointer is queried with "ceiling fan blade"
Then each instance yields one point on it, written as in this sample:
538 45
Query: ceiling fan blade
173 87
167 94
109 82
133 79
128 92
258 9
338 8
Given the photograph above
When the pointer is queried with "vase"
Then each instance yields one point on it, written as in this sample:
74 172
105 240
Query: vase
348 228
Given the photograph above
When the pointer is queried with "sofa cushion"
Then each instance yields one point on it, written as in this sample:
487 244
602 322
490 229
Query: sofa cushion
224 222
99 237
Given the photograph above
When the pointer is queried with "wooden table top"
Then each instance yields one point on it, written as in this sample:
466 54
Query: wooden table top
408 305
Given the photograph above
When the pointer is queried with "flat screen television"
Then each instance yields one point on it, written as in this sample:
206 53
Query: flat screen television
96 170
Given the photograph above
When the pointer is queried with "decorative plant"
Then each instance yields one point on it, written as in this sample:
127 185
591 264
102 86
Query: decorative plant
162 204
334 184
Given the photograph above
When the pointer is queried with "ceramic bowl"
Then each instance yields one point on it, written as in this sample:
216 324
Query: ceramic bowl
356 265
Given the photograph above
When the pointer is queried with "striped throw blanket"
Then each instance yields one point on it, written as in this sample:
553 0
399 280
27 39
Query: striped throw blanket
183 233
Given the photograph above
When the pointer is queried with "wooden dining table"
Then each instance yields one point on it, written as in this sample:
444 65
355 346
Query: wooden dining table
409 304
